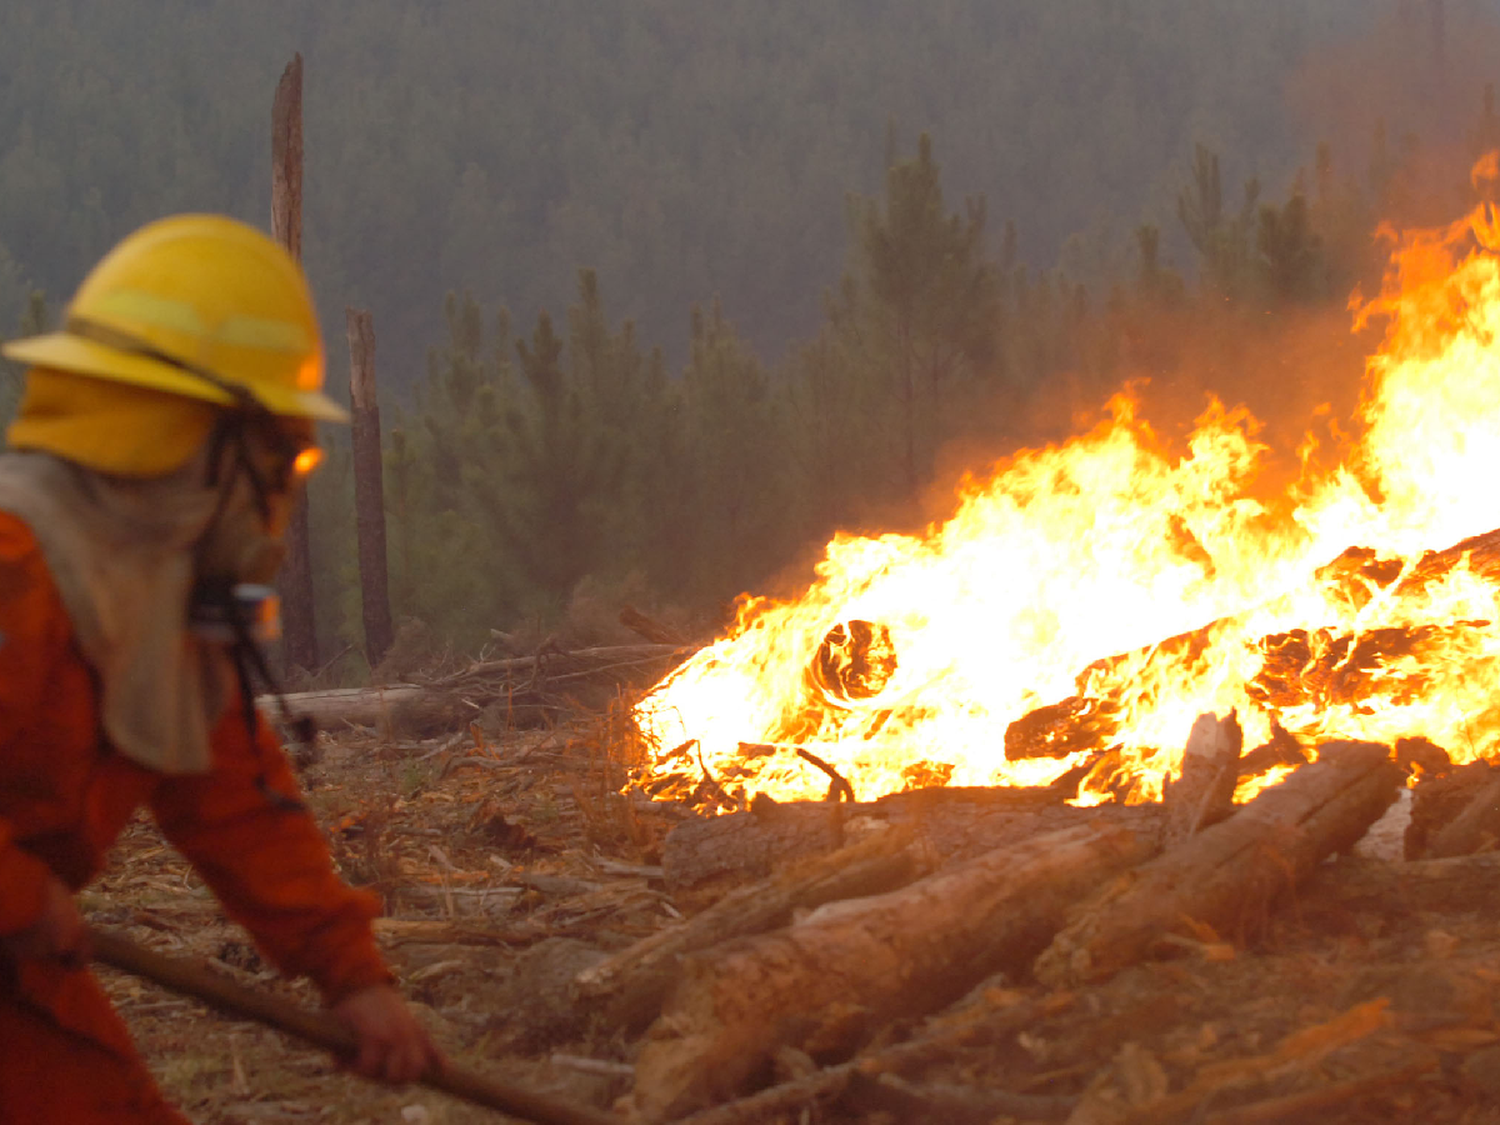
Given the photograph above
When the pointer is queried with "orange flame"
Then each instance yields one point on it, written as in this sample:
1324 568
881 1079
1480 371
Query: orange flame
909 657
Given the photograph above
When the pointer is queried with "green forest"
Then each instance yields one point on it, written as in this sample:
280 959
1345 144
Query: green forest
667 293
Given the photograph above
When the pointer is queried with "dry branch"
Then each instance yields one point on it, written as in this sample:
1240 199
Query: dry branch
1227 876
629 986
820 984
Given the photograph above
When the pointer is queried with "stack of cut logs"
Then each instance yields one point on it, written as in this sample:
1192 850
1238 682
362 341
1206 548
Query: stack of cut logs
897 908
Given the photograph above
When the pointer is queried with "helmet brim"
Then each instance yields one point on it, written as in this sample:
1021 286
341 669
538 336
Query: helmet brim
65 352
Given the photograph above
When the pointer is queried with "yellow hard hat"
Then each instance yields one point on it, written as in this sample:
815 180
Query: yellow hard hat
198 306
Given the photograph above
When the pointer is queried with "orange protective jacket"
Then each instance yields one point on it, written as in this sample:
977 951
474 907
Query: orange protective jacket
65 796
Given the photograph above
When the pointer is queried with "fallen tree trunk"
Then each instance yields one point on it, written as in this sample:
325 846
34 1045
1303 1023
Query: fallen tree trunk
822 983
628 987
451 701
957 823
1226 878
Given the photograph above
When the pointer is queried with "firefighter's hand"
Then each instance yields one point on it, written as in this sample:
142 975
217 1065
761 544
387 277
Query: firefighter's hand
393 1046
58 934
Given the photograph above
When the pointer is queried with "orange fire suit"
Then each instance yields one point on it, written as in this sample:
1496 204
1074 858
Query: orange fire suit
65 1055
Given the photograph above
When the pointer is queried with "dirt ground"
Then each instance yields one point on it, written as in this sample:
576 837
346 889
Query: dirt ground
506 862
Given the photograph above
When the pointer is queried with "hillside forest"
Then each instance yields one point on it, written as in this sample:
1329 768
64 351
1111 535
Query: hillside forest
665 294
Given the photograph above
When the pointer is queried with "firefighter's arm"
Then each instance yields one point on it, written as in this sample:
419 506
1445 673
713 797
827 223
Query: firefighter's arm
266 860
37 915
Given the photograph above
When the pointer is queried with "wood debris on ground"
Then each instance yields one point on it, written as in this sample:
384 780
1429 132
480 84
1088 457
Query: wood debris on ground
532 915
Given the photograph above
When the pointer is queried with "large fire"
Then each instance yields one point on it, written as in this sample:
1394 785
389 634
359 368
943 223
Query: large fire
909 658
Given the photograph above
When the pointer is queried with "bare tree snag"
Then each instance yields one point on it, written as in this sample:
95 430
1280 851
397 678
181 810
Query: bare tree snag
822 983
296 581
1226 877
1203 792
628 987
369 487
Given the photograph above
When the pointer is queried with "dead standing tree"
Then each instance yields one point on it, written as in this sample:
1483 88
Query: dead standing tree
369 488
286 225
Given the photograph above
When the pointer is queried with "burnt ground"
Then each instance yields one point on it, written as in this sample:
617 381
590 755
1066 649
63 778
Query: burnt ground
504 862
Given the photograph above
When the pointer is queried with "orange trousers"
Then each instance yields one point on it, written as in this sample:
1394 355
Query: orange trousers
88 1073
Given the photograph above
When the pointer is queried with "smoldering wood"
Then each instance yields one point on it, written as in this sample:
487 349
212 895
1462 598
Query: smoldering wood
709 852
299 631
369 487
1228 876
1203 791
825 981
628 987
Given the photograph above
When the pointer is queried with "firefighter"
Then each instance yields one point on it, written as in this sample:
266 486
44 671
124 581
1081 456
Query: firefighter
162 436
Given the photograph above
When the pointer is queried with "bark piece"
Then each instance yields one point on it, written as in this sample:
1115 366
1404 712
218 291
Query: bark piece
1203 792
629 986
852 965
1228 876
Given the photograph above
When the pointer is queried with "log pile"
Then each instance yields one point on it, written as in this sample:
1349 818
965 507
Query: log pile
864 916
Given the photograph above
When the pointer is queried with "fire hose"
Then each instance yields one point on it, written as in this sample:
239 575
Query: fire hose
322 1030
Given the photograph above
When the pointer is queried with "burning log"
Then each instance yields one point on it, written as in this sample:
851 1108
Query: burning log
1298 667
820 984
1226 879
628 987
1203 794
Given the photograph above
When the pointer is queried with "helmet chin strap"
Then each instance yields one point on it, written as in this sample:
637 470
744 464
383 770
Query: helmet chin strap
223 611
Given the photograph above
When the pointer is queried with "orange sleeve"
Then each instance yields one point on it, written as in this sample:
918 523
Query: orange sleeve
33 631
269 865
